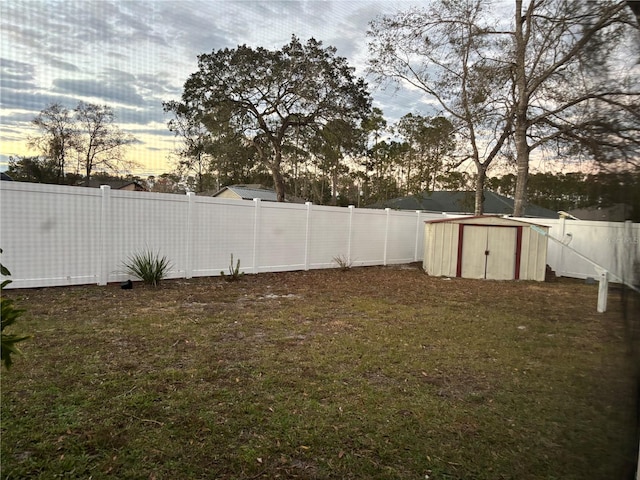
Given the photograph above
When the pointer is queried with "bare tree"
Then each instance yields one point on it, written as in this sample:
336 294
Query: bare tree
571 93
57 138
100 142
553 79
446 51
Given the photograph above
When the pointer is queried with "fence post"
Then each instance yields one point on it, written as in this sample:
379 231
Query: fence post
386 235
103 274
351 210
188 268
307 236
561 259
415 253
256 234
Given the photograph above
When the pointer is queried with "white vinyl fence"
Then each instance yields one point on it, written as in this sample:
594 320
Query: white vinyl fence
615 246
56 235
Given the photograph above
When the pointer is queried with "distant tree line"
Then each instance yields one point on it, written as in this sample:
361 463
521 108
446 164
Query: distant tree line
571 191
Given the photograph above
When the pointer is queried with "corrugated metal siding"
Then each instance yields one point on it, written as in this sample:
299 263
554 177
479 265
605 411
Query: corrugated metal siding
533 261
441 249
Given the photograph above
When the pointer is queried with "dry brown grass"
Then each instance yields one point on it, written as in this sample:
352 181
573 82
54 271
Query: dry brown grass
378 372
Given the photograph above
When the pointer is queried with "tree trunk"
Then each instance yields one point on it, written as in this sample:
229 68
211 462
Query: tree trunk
480 179
522 163
520 130
334 189
87 170
278 184
276 174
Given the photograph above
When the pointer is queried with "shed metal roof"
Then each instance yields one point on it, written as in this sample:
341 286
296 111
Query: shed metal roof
478 220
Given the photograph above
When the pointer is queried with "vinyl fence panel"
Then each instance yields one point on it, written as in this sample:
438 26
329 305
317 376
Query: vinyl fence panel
368 237
138 223
329 236
49 234
221 228
56 235
282 237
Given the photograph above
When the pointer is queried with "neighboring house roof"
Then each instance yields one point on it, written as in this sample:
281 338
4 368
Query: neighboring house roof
461 202
249 192
618 212
4 176
115 184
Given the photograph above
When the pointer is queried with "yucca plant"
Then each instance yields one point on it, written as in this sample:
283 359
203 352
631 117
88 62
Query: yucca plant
148 266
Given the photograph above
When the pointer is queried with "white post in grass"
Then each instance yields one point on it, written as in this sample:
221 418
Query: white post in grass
603 288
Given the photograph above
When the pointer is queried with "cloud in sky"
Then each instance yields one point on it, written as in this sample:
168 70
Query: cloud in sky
133 55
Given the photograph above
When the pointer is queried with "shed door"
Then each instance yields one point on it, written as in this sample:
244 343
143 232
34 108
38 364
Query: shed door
489 252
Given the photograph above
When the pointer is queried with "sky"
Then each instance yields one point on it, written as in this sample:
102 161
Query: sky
135 54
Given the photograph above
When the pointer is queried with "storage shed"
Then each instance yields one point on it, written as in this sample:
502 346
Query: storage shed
487 246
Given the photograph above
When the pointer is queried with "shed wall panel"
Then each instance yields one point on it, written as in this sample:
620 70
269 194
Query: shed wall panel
449 257
534 256
441 247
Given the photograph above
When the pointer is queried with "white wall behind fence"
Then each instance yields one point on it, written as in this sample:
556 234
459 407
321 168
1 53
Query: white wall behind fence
58 235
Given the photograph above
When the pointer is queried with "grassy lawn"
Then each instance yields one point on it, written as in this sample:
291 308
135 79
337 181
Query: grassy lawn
378 372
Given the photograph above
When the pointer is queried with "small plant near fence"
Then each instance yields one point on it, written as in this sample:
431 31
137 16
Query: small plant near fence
343 262
8 316
234 271
148 266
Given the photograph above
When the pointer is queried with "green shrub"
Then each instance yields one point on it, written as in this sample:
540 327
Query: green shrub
8 316
148 266
234 271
